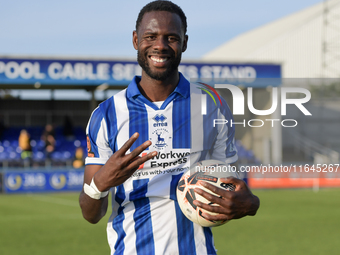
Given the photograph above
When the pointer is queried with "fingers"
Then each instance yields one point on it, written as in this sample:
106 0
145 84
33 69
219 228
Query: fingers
133 154
233 204
133 160
217 198
127 145
136 162
219 216
217 202
222 213
217 190
137 151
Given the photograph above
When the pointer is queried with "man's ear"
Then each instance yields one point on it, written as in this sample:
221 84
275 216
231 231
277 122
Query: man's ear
135 39
185 43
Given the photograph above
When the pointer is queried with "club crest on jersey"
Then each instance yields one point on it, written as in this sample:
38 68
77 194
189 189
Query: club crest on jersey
159 138
160 120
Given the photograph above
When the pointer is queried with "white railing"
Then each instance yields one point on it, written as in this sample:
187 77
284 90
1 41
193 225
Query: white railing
310 148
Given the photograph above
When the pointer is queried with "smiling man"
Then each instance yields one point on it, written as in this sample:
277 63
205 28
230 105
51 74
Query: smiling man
141 140
160 38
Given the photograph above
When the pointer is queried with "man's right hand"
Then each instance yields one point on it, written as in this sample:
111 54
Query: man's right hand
120 166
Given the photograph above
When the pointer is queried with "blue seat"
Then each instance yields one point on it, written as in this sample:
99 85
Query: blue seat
4 156
14 143
77 143
6 143
39 156
67 155
56 155
14 155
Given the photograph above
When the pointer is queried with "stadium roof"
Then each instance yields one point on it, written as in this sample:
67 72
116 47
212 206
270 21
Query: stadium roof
296 41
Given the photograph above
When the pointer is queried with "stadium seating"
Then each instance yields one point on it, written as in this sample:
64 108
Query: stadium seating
65 147
63 155
245 156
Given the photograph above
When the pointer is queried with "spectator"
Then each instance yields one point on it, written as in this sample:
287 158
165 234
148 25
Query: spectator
49 130
25 146
79 158
48 138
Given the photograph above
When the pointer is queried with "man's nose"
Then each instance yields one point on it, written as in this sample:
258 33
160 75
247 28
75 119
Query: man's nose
161 43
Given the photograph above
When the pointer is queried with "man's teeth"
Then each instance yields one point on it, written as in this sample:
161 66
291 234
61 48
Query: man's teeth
159 60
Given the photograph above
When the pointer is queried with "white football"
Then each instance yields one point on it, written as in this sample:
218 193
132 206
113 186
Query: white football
209 171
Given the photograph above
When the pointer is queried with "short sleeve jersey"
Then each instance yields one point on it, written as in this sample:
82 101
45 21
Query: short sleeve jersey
146 218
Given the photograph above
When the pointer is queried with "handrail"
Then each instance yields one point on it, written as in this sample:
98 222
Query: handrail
320 153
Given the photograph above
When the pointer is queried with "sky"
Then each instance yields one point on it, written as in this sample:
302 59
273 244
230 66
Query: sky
103 28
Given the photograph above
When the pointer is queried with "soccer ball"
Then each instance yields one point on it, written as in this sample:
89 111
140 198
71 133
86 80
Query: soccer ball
209 171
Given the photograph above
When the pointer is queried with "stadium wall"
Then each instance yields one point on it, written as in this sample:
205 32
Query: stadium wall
41 180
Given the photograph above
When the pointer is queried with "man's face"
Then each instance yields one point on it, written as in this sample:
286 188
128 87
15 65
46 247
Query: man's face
160 41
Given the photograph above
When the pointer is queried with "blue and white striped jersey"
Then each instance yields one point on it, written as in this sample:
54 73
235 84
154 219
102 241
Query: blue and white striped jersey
146 218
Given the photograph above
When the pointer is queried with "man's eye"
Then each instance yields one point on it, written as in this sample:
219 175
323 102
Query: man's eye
172 39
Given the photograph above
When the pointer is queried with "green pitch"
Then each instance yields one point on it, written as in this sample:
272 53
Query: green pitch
288 222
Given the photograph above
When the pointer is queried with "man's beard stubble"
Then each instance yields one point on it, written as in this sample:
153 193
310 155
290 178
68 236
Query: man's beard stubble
160 76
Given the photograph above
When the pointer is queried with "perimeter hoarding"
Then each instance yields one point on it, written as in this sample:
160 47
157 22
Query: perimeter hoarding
42 181
28 71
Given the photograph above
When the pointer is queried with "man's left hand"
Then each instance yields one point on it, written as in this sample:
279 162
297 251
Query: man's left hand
232 204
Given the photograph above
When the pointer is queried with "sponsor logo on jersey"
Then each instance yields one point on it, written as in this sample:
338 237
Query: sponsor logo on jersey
160 120
142 165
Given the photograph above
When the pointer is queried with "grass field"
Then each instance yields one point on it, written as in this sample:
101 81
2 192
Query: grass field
288 222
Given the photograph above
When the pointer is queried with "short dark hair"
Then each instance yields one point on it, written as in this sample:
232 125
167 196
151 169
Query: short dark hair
162 5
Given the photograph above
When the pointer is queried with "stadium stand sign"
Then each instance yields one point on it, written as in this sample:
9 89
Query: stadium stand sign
42 181
94 72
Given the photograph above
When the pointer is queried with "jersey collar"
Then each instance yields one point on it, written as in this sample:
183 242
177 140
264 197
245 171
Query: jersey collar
182 90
